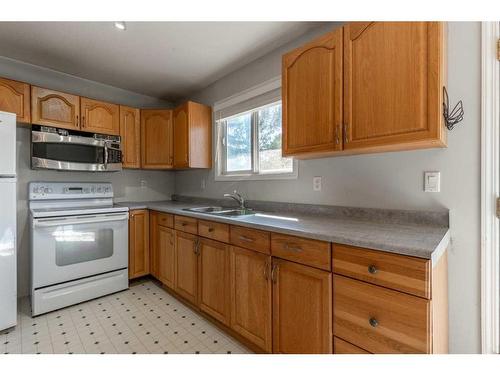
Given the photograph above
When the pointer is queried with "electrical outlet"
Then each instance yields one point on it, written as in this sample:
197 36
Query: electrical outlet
203 184
317 183
144 183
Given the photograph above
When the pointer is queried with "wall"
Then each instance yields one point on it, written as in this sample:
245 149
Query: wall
126 184
390 180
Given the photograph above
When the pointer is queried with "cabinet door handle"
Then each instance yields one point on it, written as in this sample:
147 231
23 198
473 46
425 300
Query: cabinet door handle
296 249
338 130
83 121
274 273
266 270
195 246
77 121
183 224
372 269
246 239
373 322
210 229
346 138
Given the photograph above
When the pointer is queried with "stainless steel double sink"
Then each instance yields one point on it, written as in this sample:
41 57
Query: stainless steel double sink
221 211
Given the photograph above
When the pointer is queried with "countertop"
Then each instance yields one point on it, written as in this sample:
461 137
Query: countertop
418 240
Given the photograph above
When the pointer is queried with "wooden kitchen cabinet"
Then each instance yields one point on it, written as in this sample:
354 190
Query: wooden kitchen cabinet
162 247
138 243
186 266
213 278
130 132
156 139
302 309
251 296
192 136
393 82
99 117
312 96
15 98
54 108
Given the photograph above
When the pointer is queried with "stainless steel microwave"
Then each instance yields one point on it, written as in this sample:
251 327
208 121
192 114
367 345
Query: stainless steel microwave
71 150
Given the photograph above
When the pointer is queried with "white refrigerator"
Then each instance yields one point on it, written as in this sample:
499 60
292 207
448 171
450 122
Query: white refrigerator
8 213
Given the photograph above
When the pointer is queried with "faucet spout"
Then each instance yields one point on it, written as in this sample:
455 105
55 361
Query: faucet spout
238 198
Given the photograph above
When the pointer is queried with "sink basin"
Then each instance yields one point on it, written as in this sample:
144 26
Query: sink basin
220 211
205 210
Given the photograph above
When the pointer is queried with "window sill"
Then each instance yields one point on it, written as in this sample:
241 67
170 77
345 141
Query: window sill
258 177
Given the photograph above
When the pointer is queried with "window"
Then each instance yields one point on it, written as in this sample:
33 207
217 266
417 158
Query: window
249 145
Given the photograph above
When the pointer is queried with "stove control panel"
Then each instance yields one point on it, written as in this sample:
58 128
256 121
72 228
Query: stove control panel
69 190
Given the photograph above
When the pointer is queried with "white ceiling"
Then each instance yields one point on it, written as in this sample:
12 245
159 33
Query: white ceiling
168 60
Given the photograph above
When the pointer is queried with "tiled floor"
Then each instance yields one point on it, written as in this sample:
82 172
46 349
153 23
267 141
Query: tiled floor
143 319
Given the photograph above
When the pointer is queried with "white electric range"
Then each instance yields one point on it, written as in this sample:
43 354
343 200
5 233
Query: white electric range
79 244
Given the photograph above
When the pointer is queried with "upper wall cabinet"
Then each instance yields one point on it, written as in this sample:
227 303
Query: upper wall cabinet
15 98
130 132
53 108
393 75
312 96
100 117
193 135
393 80
156 139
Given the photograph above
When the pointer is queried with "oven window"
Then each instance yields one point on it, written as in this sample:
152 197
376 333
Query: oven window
78 246
69 152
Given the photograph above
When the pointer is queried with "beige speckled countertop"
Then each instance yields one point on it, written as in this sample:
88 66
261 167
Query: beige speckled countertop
418 240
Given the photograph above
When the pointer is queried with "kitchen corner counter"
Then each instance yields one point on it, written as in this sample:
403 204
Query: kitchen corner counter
423 240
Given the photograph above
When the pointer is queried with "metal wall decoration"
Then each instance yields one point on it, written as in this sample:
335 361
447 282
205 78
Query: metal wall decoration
457 113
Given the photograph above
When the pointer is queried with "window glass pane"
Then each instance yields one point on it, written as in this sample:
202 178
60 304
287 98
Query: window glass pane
270 160
239 143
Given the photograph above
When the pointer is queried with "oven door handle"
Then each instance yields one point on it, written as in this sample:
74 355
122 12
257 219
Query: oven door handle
43 223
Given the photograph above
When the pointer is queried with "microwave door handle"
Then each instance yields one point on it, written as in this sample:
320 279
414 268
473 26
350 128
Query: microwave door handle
105 155
56 223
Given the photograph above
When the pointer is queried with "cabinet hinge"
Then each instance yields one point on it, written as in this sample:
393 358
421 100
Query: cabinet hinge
498 208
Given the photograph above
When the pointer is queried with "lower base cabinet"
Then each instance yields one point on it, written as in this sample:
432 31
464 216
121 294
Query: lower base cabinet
302 309
251 296
166 256
213 278
186 266
138 228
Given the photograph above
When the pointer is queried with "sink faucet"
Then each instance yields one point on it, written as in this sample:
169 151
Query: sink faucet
238 198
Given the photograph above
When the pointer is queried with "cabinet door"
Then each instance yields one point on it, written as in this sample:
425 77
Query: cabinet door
312 96
213 276
156 139
130 132
166 256
53 108
302 309
186 266
100 117
393 78
181 136
138 243
15 98
251 296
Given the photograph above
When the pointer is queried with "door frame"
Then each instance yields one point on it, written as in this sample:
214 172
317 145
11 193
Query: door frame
490 189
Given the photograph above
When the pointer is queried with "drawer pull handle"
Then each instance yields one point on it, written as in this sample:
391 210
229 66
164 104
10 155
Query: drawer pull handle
183 224
210 230
246 239
373 322
297 249
372 269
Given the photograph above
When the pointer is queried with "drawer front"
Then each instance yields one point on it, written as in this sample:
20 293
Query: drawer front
343 347
186 224
380 320
165 220
309 252
399 272
213 230
253 239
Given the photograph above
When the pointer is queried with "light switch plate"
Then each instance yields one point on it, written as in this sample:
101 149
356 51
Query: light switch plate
432 182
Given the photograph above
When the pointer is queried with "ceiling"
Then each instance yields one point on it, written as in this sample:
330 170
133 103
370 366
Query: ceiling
167 60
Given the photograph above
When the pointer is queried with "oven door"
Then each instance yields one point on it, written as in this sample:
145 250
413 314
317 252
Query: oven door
74 153
72 247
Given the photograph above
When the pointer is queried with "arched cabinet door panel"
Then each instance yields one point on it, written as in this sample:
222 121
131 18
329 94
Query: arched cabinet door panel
15 98
54 108
393 79
100 117
130 132
312 96
156 139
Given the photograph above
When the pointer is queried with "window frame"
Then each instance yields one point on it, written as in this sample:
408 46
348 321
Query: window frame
221 173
